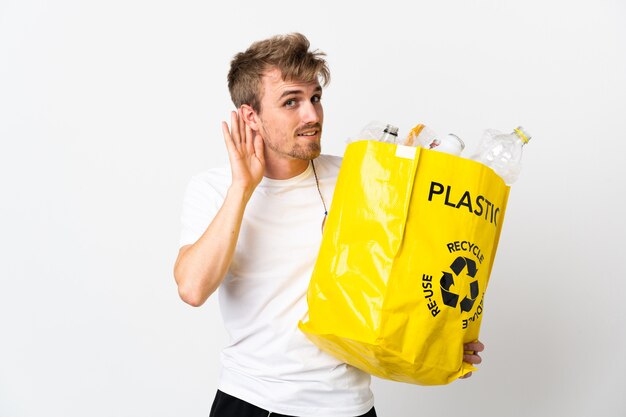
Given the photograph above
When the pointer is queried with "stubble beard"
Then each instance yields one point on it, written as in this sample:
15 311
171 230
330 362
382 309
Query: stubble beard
311 151
307 152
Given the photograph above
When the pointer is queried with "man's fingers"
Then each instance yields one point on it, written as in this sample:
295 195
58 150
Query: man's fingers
249 145
242 129
234 130
230 146
473 359
258 146
471 355
476 346
472 351
234 153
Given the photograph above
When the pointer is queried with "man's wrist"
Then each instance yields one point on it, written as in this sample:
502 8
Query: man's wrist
240 192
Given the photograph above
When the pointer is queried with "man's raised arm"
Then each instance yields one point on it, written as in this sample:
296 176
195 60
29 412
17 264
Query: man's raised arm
201 267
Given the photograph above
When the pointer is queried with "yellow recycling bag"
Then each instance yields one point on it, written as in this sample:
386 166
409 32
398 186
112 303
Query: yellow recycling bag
404 263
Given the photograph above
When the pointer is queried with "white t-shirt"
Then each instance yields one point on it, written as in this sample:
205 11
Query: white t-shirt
268 361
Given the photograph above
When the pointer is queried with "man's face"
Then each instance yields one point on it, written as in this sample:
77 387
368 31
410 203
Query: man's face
291 117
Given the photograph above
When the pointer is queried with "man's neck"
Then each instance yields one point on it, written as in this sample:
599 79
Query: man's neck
282 169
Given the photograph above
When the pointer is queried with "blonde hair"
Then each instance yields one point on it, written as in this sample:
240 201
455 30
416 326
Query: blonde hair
289 53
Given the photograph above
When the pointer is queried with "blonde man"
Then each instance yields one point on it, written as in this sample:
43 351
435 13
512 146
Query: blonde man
253 230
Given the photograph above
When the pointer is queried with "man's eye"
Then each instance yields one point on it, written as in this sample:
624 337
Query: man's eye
290 103
316 99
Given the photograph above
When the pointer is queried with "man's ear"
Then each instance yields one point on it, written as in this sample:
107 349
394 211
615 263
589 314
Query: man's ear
250 117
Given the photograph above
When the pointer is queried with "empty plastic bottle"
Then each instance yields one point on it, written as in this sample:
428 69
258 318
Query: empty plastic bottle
424 137
378 131
449 143
503 152
390 134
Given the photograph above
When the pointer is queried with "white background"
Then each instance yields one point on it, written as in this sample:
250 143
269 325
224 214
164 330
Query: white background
107 108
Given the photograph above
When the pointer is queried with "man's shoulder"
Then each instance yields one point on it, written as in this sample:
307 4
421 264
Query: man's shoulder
330 158
215 176
212 181
329 162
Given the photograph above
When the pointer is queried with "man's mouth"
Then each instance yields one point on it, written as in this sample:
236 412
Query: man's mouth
310 131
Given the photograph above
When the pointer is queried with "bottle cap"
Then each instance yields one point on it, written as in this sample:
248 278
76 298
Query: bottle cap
392 130
519 130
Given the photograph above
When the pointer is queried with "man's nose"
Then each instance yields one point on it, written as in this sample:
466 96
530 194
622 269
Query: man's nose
311 113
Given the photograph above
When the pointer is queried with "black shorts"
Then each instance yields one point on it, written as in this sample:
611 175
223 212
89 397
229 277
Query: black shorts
226 405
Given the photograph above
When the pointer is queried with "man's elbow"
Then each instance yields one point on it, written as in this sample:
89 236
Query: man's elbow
191 296
188 290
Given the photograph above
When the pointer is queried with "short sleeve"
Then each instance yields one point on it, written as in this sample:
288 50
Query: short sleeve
201 203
